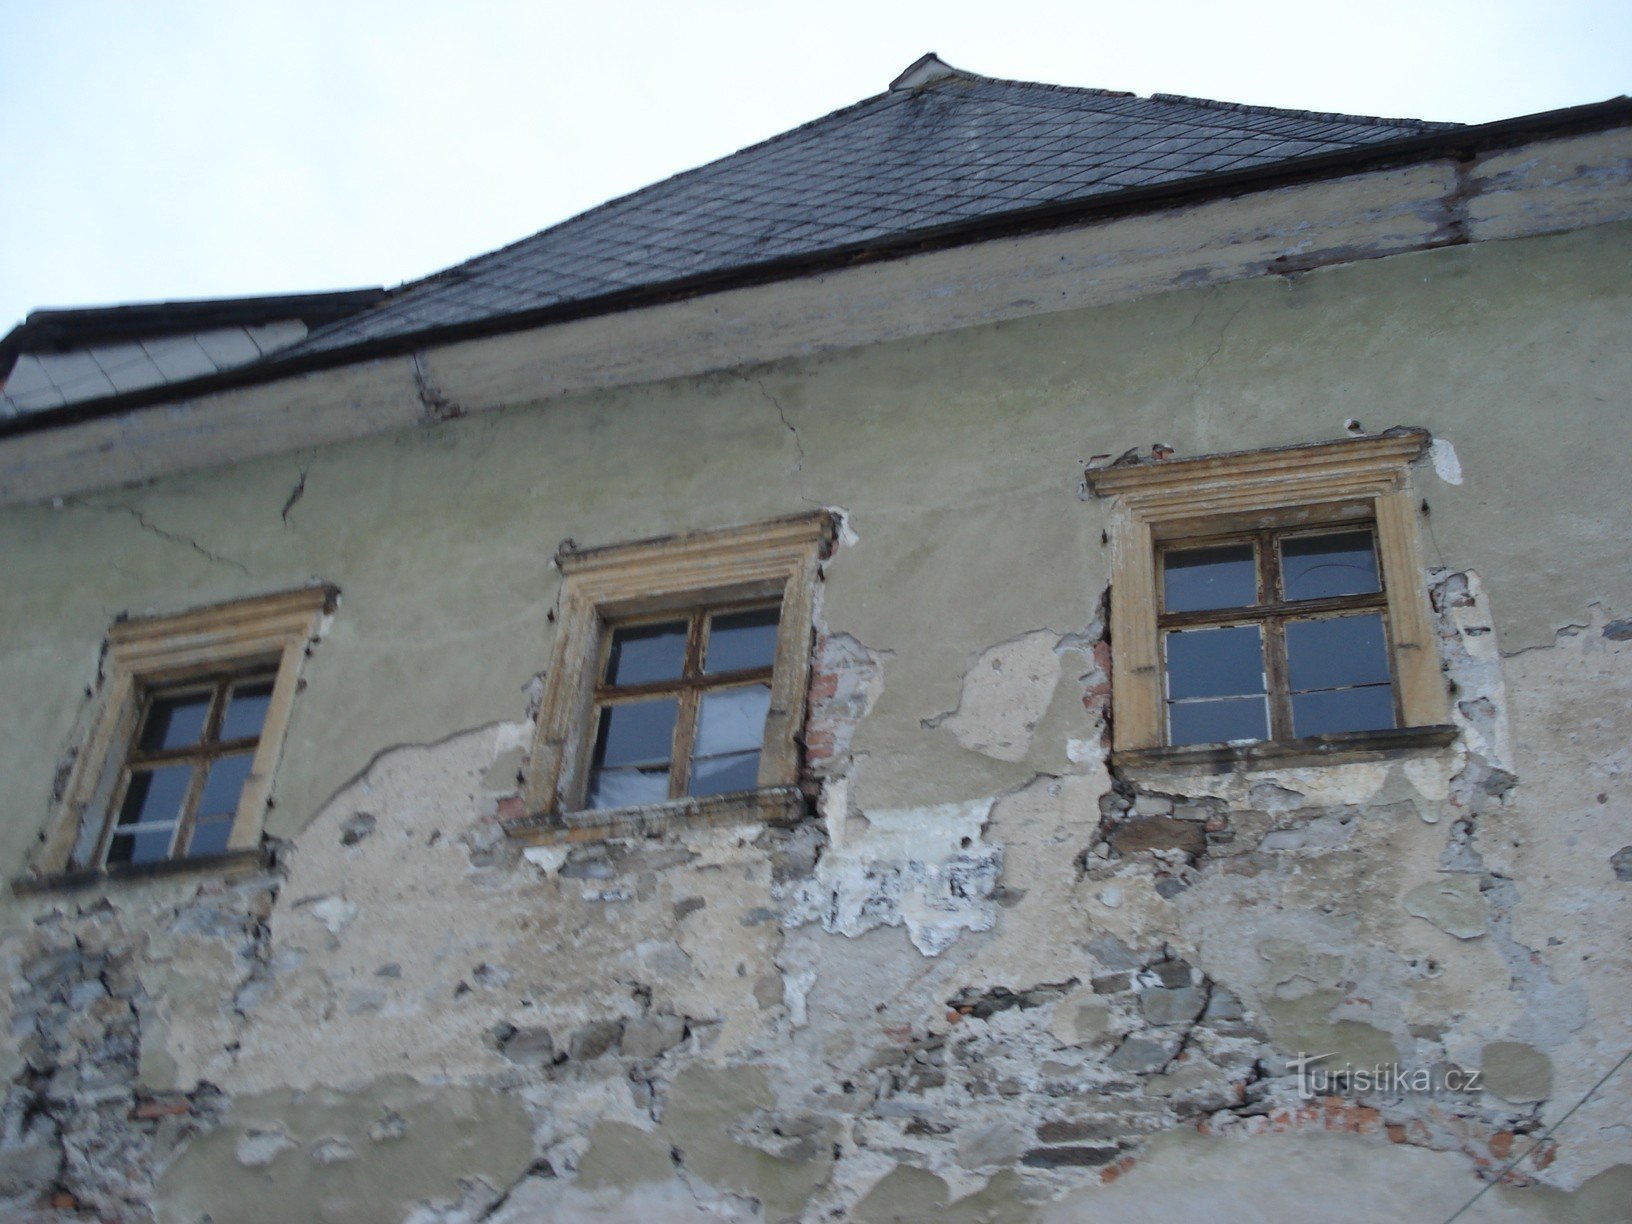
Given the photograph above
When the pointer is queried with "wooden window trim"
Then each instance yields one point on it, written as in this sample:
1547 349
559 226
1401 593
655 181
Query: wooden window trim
265 635
1326 484
620 584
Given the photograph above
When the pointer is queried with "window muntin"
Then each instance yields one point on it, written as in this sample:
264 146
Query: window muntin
681 705
186 768
1274 634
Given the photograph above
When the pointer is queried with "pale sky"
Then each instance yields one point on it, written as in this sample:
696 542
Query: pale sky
161 149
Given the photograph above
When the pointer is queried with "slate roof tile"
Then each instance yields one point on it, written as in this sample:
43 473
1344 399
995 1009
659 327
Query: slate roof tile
940 146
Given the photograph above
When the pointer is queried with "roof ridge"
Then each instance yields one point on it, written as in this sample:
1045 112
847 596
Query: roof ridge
1293 112
957 74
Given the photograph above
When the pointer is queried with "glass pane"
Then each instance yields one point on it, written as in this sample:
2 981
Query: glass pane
738 640
246 710
1213 722
1215 662
155 795
175 722
210 837
223 785
1352 709
145 846
732 720
1197 578
636 733
1337 652
1313 567
723 774
647 652
615 788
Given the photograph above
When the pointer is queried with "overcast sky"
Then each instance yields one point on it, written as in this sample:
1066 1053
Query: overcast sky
164 149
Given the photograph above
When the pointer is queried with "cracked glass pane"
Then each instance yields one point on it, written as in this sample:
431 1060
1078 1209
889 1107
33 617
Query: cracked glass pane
1315 567
1194 579
641 653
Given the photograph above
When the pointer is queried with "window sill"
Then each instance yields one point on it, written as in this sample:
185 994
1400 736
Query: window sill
1338 749
237 862
774 805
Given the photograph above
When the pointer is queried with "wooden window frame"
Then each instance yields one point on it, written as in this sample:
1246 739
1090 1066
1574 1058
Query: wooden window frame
1355 482
263 636
689 687
602 588
1271 614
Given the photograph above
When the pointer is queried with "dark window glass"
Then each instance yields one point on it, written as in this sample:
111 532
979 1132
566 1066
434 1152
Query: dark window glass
1353 709
730 732
155 795
641 653
223 785
175 722
1314 567
1214 722
740 640
246 710
1337 652
143 846
637 733
210 836
1215 662
1198 578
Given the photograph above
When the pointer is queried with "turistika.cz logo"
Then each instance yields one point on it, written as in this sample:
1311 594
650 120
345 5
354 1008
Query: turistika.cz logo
1386 1078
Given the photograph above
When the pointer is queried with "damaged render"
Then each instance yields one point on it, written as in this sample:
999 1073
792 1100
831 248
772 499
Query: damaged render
972 964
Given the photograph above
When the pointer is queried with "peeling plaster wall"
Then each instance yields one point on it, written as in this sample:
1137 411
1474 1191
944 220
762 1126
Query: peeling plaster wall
987 978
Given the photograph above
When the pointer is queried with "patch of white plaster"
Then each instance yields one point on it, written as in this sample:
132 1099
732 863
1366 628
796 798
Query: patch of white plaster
1446 465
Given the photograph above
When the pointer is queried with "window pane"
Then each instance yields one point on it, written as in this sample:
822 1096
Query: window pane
636 733
732 720
155 795
1338 652
1215 662
246 710
223 785
1313 567
144 846
210 837
738 640
1213 722
647 652
1352 709
175 722
723 774
615 788
1196 578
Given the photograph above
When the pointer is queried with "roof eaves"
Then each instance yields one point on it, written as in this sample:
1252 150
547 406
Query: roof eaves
1381 154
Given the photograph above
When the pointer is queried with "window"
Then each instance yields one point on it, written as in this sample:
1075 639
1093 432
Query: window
680 709
1270 597
179 763
679 676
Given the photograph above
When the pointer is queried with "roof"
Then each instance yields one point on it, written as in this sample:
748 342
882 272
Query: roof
60 357
940 146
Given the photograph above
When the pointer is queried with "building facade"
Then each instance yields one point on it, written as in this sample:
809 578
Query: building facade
1105 696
